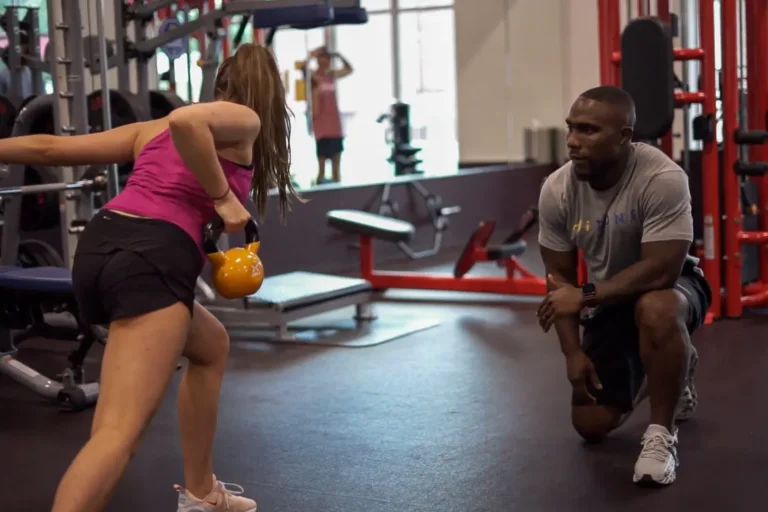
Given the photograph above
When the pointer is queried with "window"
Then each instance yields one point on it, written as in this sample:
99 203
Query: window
428 84
42 5
364 96
416 4
187 74
376 5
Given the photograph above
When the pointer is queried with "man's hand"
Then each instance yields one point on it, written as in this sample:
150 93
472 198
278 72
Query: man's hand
563 299
580 372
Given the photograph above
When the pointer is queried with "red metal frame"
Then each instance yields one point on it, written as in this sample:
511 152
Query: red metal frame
710 162
610 60
732 205
737 297
518 281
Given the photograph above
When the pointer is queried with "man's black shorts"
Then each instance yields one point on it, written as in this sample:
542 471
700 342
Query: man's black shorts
611 341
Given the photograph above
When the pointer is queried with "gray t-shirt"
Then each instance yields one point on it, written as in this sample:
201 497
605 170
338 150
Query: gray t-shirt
651 203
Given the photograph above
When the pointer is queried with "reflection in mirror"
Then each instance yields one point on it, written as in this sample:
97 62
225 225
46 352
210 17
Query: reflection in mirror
292 47
349 95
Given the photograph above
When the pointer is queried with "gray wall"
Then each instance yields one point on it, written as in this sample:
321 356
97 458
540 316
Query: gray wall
306 243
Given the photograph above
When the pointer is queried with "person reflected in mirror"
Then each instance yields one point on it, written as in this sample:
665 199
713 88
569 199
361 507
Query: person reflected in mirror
326 116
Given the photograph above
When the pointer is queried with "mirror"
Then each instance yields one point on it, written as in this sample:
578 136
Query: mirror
413 77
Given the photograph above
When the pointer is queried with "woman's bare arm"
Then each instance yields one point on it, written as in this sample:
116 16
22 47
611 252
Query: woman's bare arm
113 146
197 130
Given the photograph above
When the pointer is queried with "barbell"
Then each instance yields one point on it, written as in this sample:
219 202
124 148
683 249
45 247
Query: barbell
98 183
40 202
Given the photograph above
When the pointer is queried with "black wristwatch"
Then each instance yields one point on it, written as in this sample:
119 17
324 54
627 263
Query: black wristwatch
588 293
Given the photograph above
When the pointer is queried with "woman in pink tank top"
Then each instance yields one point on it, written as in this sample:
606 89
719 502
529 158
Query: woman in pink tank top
138 260
326 116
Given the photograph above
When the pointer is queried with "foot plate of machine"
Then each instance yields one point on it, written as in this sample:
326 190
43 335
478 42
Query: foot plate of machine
342 332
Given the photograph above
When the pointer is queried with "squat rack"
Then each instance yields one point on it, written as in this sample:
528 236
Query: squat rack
65 59
724 237
609 31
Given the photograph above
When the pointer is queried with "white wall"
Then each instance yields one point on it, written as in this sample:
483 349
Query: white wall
482 83
511 73
521 62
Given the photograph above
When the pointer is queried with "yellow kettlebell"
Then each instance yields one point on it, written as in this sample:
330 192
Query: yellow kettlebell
238 272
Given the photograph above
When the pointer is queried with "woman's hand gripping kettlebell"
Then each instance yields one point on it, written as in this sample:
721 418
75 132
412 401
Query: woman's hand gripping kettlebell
238 272
232 212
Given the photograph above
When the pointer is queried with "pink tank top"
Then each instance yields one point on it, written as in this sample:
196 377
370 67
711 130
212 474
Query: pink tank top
326 119
162 187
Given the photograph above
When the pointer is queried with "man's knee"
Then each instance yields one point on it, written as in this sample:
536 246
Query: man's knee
595 422
661 312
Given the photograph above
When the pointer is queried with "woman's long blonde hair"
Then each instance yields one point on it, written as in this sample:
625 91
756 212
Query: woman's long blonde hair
251 77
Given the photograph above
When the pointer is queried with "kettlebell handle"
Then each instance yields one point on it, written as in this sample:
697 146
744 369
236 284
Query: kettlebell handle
214 230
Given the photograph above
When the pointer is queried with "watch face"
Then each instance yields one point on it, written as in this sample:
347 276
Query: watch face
588 289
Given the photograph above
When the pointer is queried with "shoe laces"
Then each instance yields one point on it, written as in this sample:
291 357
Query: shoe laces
658 446
228 490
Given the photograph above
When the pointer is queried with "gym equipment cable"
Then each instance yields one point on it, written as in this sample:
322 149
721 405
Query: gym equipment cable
437 212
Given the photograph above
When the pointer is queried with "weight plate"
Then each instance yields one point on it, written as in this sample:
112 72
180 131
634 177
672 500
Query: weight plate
43 122
26 101
36 253
478 239
163 103
125 108
41 210
8 113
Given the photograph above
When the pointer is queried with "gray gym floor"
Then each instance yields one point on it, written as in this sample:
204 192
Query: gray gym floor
470 416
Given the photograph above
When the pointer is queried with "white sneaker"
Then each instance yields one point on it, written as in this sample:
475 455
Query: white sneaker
658 459
220 499
689 399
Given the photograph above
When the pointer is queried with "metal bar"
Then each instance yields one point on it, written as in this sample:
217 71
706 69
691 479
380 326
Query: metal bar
232 8
245 6
123 74
752 237
397 86
142 66
756 300
689 98
680 54
14 54
643 8
604 41
757 39
76 79
710 162
184 30
732 217
112 172
662 12
146 12
685 40
47 187
33 19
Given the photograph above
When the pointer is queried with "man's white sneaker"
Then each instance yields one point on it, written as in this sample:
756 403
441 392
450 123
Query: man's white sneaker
658 459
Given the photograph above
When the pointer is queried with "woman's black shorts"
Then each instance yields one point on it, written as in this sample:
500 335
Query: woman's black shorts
128 266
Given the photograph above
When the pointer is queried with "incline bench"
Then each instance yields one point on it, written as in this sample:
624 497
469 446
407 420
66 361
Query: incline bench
26 294
517 281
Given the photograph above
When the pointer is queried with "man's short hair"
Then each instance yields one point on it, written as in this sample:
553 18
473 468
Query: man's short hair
614 96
